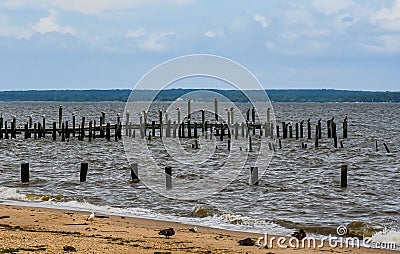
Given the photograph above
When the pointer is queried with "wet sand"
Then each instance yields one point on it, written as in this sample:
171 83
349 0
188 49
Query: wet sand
42 230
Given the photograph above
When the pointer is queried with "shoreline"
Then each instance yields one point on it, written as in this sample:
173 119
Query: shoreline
29 229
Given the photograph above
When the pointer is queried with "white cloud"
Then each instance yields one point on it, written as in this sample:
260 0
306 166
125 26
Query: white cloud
384 44
87 6
49 24
210 34
138 33
261 19
157 41
388 18
329 7
8 30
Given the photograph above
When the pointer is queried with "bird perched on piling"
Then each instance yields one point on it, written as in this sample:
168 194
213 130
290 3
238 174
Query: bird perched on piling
167 232
301 234
90 217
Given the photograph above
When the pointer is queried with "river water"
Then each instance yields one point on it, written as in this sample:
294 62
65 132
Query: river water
298 187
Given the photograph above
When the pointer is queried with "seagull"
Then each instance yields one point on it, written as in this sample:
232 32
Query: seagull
299 234
167 232
193 229
90 217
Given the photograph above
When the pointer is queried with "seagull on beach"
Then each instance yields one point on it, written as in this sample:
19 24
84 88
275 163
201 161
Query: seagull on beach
90 217
193 229
167 232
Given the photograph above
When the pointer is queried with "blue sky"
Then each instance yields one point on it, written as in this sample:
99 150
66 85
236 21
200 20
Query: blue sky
108 44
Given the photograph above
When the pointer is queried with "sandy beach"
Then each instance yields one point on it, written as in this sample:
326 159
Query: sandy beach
42 230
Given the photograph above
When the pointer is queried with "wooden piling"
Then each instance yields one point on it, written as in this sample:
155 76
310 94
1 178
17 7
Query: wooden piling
168 177
229 144
127 124
195 130
189 129
329 128
44 125
319 129
203 120
386 147
90 131
134 173
108 132
160 121
284 130
25 172
62 132
343 176
308 129
316 135
297 130
189 109
14 128
345 127
54 133
376 145
290 131
83 129
277 131
66 130
116 130
301 128
73 124
236 130
174 130
253 115
254 175
6 130
83 172
216 109
153 128
60 116
248 115
1 127
26 131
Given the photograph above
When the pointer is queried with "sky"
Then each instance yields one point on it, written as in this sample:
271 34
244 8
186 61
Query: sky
108 44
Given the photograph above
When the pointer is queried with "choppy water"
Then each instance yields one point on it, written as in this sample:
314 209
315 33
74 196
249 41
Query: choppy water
299 188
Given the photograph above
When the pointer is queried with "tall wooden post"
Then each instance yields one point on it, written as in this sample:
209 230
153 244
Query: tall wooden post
73 124
168 177
25 172
343 176
216 109
60 115
254 175
54 134
83 172
309 129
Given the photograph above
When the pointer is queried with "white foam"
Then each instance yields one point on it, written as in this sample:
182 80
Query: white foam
387 236
11 194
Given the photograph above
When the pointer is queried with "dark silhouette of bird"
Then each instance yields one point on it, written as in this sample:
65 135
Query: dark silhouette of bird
167 232
246 242
308 120
193 229
301 234
345 119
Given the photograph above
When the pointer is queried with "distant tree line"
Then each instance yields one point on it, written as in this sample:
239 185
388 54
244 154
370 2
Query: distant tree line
299 95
